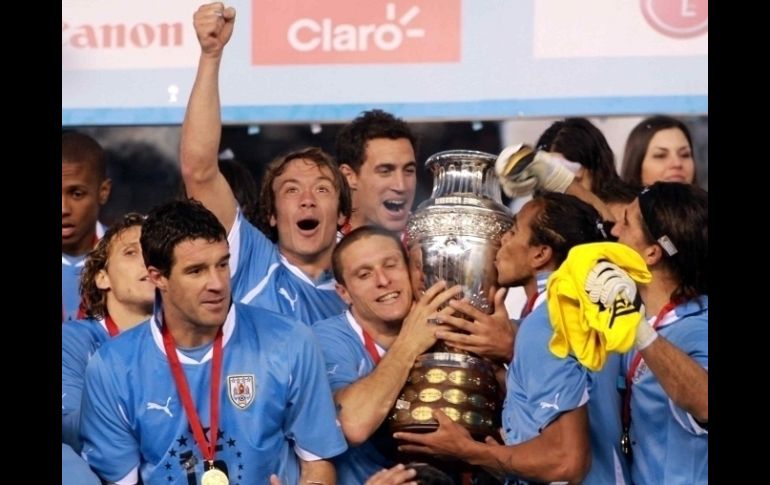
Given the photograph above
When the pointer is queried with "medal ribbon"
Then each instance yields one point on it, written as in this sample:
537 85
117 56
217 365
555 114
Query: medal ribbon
208 449
529 305
371 347
112 328
635 364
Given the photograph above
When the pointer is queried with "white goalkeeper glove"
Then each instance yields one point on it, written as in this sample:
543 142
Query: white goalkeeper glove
521 171
612 288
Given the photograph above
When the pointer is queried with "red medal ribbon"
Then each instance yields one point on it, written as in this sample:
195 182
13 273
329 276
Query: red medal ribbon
635 364
112 328
529 306
208 449
371 347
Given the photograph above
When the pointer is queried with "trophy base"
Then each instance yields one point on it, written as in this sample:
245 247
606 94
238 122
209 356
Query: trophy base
461 385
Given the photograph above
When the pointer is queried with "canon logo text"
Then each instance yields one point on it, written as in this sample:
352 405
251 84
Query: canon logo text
141 35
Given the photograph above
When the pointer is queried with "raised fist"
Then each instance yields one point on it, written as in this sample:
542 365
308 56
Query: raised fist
214 26
522 170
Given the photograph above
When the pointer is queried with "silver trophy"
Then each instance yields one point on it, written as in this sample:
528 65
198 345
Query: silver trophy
454 236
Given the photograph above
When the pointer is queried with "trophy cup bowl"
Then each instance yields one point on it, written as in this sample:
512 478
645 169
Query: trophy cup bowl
454 236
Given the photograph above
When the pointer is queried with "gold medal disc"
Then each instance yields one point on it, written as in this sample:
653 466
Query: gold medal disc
214 476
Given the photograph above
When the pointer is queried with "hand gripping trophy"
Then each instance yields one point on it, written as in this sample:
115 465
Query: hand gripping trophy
454 236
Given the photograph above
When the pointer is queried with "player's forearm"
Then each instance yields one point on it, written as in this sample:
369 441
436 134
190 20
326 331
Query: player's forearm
683 379
365 404
201 129
201 133
317 472
577 190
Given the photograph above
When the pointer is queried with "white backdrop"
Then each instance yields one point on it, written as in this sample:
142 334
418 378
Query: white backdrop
133 61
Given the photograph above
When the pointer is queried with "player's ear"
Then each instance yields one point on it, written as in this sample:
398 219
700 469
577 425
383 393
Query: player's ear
157 277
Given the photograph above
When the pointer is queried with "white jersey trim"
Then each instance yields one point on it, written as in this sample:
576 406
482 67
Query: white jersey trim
360 331
130 479
227 332
261 285
326 285
305 455
234 241
668 319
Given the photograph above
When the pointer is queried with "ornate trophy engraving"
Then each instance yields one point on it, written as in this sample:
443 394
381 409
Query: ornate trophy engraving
455 236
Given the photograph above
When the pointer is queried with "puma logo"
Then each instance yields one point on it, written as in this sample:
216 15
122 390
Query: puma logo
165 409
554 405
286 295
333 370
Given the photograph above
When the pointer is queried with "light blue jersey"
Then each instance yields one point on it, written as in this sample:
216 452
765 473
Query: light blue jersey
668 445
75 471
347 361
262 277
79 341
71 267
541 386
275 404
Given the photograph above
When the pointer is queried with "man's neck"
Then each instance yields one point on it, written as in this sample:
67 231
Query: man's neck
383 333
187 335
81 247
530 287
657 293
312 266
126 316
357 219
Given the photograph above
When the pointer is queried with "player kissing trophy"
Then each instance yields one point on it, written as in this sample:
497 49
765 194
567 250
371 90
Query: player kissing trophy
454 236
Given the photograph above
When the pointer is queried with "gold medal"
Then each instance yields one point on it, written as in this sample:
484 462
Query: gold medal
452 413
214 476
455 396
422 413
625 443
434 376
457 377
430 395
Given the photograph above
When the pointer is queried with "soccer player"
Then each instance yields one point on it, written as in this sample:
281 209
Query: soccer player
84 189
304 199
207 389
560 421
370 349
666 405
117 294
376 152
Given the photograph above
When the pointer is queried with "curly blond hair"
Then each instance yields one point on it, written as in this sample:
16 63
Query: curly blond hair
93 301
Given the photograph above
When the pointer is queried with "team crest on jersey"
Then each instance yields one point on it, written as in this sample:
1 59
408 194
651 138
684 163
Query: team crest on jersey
241 389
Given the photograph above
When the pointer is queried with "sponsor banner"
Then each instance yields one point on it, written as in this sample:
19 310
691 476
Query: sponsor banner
290 61
355 32
620 28
128 34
